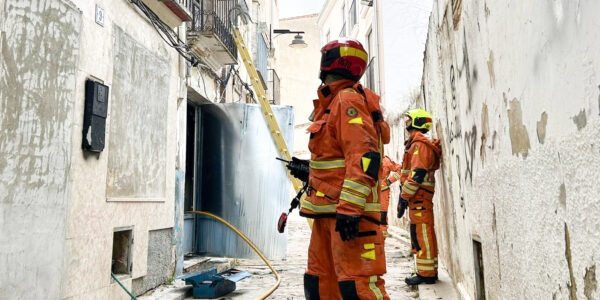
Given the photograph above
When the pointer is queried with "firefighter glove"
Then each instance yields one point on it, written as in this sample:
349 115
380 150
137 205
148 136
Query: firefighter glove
402 206
299 168
383 220
347 226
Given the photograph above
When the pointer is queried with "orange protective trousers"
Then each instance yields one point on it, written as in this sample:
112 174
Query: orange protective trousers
344 270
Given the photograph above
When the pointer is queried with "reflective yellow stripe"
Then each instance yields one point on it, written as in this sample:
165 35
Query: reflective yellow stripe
327 208
425 261
426 240
354 199
357 187
425 268
396 175
385 188
404 171
375 194
408 190
373 287
327 164
372 207
410 186
350 51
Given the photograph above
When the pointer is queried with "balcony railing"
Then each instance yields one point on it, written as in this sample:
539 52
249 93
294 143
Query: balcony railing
273 87
212 17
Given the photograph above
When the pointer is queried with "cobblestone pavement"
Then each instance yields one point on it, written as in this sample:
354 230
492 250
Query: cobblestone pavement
292 269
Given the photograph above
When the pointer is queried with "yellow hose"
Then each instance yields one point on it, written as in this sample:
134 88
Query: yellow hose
269 292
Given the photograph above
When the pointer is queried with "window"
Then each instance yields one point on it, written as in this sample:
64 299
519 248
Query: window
121 253
371 74
353 16
343 31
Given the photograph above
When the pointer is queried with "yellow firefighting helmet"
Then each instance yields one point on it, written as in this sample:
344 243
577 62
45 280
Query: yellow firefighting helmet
420 119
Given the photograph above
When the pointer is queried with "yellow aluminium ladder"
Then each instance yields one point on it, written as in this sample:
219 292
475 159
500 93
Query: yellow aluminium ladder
261 95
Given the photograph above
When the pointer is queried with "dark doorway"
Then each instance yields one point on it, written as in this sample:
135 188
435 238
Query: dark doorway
478 259
191 172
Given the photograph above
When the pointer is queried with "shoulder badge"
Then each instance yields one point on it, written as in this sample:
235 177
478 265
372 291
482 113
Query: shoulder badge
351 112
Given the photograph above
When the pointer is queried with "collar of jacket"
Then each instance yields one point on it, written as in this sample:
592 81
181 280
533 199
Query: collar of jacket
326 92
420 137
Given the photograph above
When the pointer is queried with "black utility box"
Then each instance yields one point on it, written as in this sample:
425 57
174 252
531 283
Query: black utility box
94 116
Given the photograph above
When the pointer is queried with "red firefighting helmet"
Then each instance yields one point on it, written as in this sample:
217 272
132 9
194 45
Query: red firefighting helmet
345 57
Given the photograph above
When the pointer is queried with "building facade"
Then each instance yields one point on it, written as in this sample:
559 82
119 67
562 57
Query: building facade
300 75
69 216
516 108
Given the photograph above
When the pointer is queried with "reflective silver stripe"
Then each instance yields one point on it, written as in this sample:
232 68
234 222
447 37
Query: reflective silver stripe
327 208
428 183
357 186
409 189
375 194
373 287
372 207
426 240
404 171
396 175
354 199
425 268
385 188
425 261
327 164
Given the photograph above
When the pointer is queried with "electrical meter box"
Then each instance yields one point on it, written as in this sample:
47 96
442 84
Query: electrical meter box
94 116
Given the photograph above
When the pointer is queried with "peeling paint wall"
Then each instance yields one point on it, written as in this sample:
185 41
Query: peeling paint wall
57 203
40 48
496 77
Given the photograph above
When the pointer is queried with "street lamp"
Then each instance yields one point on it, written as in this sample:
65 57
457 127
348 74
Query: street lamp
297 42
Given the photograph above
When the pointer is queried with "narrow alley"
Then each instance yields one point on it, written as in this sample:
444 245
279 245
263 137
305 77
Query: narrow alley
138 138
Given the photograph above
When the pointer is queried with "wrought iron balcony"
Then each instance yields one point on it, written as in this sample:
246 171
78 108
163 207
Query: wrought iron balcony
210 31
273 87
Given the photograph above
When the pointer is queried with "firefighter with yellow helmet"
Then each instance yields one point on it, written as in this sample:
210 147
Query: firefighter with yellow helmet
421 160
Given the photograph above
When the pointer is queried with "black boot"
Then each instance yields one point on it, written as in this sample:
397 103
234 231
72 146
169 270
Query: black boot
416 279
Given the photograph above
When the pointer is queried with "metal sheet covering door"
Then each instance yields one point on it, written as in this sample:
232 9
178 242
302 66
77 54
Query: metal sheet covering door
241 180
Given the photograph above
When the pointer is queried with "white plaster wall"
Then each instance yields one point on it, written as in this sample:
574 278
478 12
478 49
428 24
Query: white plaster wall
92 219
300 75
526 188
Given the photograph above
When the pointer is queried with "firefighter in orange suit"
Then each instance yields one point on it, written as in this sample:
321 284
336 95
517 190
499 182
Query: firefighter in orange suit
421 159
346 258
390 171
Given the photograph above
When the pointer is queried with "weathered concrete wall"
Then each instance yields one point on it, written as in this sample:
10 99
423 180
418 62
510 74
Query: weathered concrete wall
513 88
40 49
127 55
137 160
160 259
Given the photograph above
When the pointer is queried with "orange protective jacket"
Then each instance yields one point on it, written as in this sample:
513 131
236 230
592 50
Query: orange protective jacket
421 159
391 174
346 145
